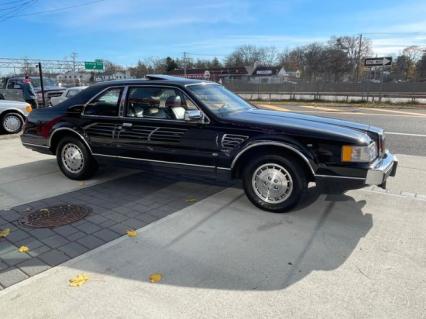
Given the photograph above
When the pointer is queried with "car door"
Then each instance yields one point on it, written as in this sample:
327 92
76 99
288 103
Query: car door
101 118
154 128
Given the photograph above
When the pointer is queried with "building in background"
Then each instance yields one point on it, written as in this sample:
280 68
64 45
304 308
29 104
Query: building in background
212 74
71 78
115 76
253 74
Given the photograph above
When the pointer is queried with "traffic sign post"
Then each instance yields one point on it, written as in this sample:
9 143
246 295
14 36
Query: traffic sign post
384 61
96 65
379 62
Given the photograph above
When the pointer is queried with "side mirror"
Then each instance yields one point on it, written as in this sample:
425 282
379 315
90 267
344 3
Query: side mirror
193 115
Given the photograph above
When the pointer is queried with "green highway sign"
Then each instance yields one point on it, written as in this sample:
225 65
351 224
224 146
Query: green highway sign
96 65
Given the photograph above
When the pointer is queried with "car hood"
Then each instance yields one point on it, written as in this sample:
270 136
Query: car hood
305 125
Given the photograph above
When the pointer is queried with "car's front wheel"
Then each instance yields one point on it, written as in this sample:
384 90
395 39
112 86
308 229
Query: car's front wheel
274 183
74 159
12 123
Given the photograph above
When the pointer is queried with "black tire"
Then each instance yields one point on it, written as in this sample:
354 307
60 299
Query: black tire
80 164
290 173
11 118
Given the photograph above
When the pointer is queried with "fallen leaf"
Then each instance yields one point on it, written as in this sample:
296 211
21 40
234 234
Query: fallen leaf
132 233
23 249
4 233
78 280
155 277
45 212
191 200
82 183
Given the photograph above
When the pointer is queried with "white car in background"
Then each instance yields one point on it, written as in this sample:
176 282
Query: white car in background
13 115
69 92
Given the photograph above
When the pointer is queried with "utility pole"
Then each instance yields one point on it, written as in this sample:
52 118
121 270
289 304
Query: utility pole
184 63
74 58
358 66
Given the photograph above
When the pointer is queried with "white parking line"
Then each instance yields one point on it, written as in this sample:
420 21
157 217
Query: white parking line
405 134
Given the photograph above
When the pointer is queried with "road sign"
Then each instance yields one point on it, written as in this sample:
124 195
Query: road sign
96 65
384 61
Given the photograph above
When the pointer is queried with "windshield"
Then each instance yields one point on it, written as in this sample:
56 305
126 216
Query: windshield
218 99
46 82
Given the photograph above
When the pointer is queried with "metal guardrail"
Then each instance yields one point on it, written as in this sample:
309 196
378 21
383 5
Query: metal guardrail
376 94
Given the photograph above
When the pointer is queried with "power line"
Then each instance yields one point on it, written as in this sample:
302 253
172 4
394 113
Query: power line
10 6
15 9
49 11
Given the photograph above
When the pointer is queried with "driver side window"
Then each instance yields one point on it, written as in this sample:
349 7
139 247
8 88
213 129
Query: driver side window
157 102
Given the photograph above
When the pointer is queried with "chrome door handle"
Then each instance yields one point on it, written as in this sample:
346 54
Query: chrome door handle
127 124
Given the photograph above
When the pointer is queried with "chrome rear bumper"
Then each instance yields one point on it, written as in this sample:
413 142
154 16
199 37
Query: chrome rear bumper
382 169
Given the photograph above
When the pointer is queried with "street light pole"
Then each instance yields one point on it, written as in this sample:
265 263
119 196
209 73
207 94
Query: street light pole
41 83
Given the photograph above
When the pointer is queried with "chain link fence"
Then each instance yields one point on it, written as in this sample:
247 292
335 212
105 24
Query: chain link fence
366 91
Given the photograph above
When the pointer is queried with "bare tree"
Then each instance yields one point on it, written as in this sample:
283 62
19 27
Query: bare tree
414 53
248 55
292 60
313 54
421 68
355 51
111 68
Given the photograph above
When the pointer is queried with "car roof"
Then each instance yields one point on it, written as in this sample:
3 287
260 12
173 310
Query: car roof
154 79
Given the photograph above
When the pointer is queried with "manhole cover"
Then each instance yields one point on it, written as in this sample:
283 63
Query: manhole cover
55 216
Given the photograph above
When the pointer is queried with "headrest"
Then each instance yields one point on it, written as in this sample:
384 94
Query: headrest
173 101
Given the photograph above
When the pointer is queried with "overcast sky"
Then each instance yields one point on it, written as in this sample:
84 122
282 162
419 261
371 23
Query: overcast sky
124 31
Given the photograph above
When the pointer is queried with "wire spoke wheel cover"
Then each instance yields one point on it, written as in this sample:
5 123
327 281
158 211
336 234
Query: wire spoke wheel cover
12 123
55 216
272 183
72 158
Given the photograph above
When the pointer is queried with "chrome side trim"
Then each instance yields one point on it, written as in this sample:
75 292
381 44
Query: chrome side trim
71 130
36 145
156 161
341 177
262 143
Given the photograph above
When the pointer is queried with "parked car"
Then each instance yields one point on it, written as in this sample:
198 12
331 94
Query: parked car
11 88
13 115
167 122
69 92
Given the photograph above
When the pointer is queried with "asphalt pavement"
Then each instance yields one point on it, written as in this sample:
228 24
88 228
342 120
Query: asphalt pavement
405 127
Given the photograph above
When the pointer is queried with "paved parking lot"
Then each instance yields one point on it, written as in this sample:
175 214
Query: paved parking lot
341 254
131 202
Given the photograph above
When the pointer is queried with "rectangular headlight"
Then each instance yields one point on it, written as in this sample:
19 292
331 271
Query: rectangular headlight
351 153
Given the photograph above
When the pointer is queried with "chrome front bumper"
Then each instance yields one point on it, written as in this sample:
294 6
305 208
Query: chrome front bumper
382 169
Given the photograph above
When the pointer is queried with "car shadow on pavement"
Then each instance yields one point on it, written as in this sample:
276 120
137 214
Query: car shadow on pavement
235 246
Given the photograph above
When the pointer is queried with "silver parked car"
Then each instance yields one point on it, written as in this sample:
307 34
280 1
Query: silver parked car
69 92
13 115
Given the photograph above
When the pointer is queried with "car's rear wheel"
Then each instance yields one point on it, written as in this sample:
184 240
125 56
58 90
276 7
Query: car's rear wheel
74 159
12 123
274 183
